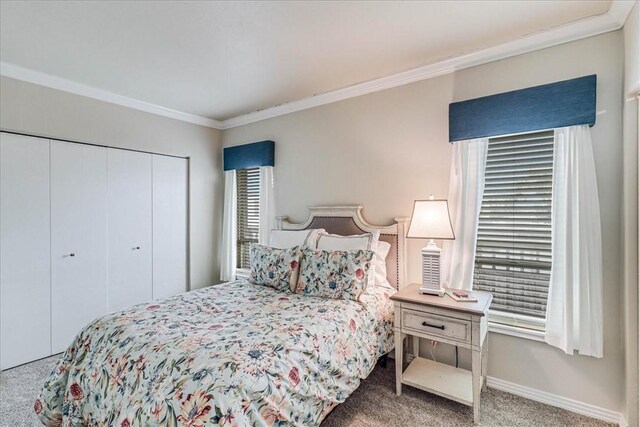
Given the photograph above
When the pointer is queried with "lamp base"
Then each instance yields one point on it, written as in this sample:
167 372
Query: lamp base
430 291
431 270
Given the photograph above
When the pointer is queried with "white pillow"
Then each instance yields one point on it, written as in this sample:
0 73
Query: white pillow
335 242
284 239
380 263
366 241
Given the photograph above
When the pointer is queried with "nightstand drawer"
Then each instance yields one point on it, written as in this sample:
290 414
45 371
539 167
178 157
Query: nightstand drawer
433 324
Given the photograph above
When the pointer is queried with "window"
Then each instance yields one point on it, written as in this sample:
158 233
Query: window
248 213
513 249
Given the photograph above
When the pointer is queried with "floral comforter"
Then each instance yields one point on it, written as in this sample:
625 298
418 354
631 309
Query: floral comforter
235 354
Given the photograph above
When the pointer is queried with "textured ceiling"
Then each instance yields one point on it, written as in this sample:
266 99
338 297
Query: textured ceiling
224 59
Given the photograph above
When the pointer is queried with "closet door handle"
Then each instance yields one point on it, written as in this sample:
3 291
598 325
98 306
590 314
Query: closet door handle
137 248
433 326
72 254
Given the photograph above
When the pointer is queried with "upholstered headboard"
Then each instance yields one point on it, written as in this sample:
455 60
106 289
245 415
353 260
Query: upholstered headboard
348 220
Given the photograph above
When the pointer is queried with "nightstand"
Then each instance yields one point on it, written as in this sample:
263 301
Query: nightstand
442 319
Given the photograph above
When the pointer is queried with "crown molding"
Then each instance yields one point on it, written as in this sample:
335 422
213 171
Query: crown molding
620 10
59 83
612 20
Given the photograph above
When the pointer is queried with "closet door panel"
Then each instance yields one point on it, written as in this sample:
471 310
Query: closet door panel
78 238
25 299
130 227
170 226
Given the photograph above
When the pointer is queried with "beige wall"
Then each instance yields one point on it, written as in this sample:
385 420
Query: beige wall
33 109
630 211
386 149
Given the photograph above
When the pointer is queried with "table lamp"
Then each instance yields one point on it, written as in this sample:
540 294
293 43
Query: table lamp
431 220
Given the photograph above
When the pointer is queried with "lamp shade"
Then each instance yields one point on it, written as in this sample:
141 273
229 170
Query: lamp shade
430 220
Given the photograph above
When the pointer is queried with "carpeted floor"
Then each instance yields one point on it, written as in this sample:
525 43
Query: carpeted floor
373 404
18 389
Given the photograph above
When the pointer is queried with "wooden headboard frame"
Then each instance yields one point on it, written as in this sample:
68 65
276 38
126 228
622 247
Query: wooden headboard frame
348 220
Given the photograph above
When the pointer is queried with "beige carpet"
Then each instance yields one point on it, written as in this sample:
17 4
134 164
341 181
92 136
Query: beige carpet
373 404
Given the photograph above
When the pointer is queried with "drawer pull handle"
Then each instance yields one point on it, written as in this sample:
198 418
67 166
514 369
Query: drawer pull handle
433 326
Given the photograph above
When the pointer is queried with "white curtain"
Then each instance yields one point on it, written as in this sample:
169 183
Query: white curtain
466 185
229 241
267 204
574 307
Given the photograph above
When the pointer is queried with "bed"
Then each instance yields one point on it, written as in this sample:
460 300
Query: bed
232 354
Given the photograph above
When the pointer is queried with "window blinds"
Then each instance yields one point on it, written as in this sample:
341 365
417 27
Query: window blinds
513 250
248 213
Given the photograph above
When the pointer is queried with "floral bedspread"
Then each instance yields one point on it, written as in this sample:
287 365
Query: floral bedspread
235 354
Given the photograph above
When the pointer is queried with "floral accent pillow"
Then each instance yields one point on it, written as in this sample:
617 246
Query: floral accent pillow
334 274
276 268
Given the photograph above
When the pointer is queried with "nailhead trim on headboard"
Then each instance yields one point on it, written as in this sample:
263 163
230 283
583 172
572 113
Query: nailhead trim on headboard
347 220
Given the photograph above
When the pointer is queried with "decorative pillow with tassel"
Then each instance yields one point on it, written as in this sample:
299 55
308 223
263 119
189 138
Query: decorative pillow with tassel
276 268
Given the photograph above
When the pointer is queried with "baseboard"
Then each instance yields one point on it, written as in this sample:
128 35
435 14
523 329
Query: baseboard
558 401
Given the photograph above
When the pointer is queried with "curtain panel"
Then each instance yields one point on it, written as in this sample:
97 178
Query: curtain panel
466 185
574 306
267 204
229 230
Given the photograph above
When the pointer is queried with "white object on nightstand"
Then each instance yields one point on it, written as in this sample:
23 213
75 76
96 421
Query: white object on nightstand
462 324
431 270
431 220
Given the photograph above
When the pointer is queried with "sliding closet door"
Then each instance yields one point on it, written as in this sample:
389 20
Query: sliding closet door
170 225
78 238
130 227
25 315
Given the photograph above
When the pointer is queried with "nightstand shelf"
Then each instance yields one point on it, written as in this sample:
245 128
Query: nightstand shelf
438 378
441 319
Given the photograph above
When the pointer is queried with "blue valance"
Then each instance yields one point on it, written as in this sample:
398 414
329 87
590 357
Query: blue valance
566 103
249 155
